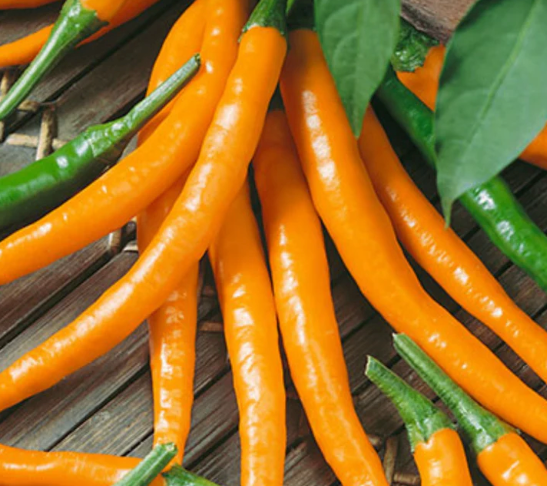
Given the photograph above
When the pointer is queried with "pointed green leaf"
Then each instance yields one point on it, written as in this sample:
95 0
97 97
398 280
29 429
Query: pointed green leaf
493 94
358 38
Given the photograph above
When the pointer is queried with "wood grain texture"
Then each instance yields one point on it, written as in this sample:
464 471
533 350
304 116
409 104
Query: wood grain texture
106 407
436 17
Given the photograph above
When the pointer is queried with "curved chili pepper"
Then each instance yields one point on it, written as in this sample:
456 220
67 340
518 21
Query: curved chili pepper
24 50
172 338
33 191
17 4
437 448
443 254
142 176
250 327
303 298
78 20
150 467
491 204
190 227
503 457
345 199
185 36
173 326
20 467
424 83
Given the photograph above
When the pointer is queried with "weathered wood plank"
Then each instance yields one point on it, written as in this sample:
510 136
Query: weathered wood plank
438 18
107 406
27 298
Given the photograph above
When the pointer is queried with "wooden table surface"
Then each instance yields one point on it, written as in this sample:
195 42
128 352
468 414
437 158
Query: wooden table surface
107 407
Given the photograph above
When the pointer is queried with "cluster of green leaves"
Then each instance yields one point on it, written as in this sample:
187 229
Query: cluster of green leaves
492 98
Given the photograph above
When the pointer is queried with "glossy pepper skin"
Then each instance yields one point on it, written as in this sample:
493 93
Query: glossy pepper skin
510 461
303 298
437 448
38 188
185 36
503 456
20 467
250 327
424 83
443 254
346 201
78 20
24 50
16 4
172 338
491 204
190 227
142 176
173 326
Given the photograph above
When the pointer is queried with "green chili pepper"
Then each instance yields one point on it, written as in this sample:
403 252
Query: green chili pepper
75 23
421 417
491 204
151 466
33 191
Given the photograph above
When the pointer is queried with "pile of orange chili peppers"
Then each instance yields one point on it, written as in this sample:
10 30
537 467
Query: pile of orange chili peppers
187 182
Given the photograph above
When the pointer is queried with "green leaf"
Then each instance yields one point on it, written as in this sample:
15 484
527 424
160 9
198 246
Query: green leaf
411 49
493 93
358 38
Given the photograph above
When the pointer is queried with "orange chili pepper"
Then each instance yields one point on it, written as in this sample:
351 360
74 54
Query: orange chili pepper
184 38
303 297
24 50
441 460
20 467
190 227
503 457
16 4
105 9
345 199
140 178
172 338
443 254
250 326
510 461
173 326
424 83
437 448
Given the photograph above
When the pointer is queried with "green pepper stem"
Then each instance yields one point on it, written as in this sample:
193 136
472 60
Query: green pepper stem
269 13
421 417
412 48
74 24
127 126
482 427
151 466
177 476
